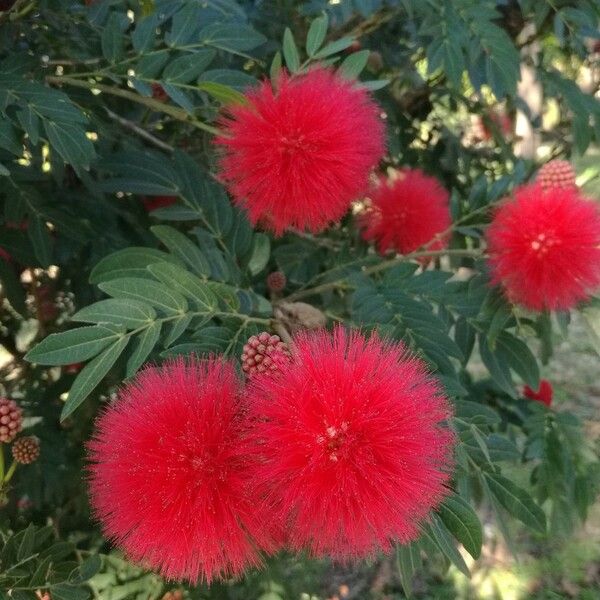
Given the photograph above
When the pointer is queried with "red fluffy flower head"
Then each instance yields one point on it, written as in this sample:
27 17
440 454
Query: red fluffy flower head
298 156
169 473
543 395
544 248
354 453
407 212
557 174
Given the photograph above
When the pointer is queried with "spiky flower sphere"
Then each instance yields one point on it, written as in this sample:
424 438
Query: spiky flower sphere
11 420
543 394
169 473
298 156
544 248
354 452
26 450
557 174
264 353
407 212
276 281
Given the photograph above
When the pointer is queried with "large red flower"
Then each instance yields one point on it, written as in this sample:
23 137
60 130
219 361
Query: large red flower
544 247
407 212
169 472
355 455
298 156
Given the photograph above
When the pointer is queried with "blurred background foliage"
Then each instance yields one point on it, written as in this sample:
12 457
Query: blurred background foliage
107 188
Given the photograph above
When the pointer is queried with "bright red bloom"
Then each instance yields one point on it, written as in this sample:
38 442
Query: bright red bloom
557 173
544 248
298 156
169 473
543 395
407 213
355 455
153 202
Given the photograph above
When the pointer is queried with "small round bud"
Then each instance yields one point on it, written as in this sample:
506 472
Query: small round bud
557 174
276 281
11 420
26 450
264 353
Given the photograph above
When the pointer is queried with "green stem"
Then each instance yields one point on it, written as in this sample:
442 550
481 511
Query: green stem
10 472
177 113
1 465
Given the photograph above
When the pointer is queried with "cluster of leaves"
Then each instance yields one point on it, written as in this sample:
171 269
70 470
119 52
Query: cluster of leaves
108 102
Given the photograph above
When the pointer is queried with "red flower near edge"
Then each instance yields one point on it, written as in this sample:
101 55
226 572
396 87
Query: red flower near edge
354 452
169 473
544 248
543 395
406 213
298 156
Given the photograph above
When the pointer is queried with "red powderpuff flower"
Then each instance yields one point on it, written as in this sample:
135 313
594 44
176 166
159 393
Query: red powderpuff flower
354 453
168 474
543 395
544 248
557 173
407 213
298 156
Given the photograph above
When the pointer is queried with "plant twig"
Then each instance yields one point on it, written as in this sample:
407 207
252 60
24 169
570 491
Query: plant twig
383 266
177 113
139 131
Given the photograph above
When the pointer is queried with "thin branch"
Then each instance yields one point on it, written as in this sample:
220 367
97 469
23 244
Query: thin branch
177 113
139 131
383 266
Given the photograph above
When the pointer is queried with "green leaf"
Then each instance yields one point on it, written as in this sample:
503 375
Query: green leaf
112 38
261 252
12 288
408 559
188 67
440 537
223 93
183 248
71 142
146 290
183 26
316 34
129 262
290 51
9 140
334 47
91 375
184 282
519 357
143 346
27 543
516 501
498 367
353 65
73 346
275 68
178 327
130 314
40 239
86 570
232 37
591 314
463 523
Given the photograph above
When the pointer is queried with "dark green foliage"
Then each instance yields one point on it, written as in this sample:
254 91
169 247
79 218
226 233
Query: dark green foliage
106 105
